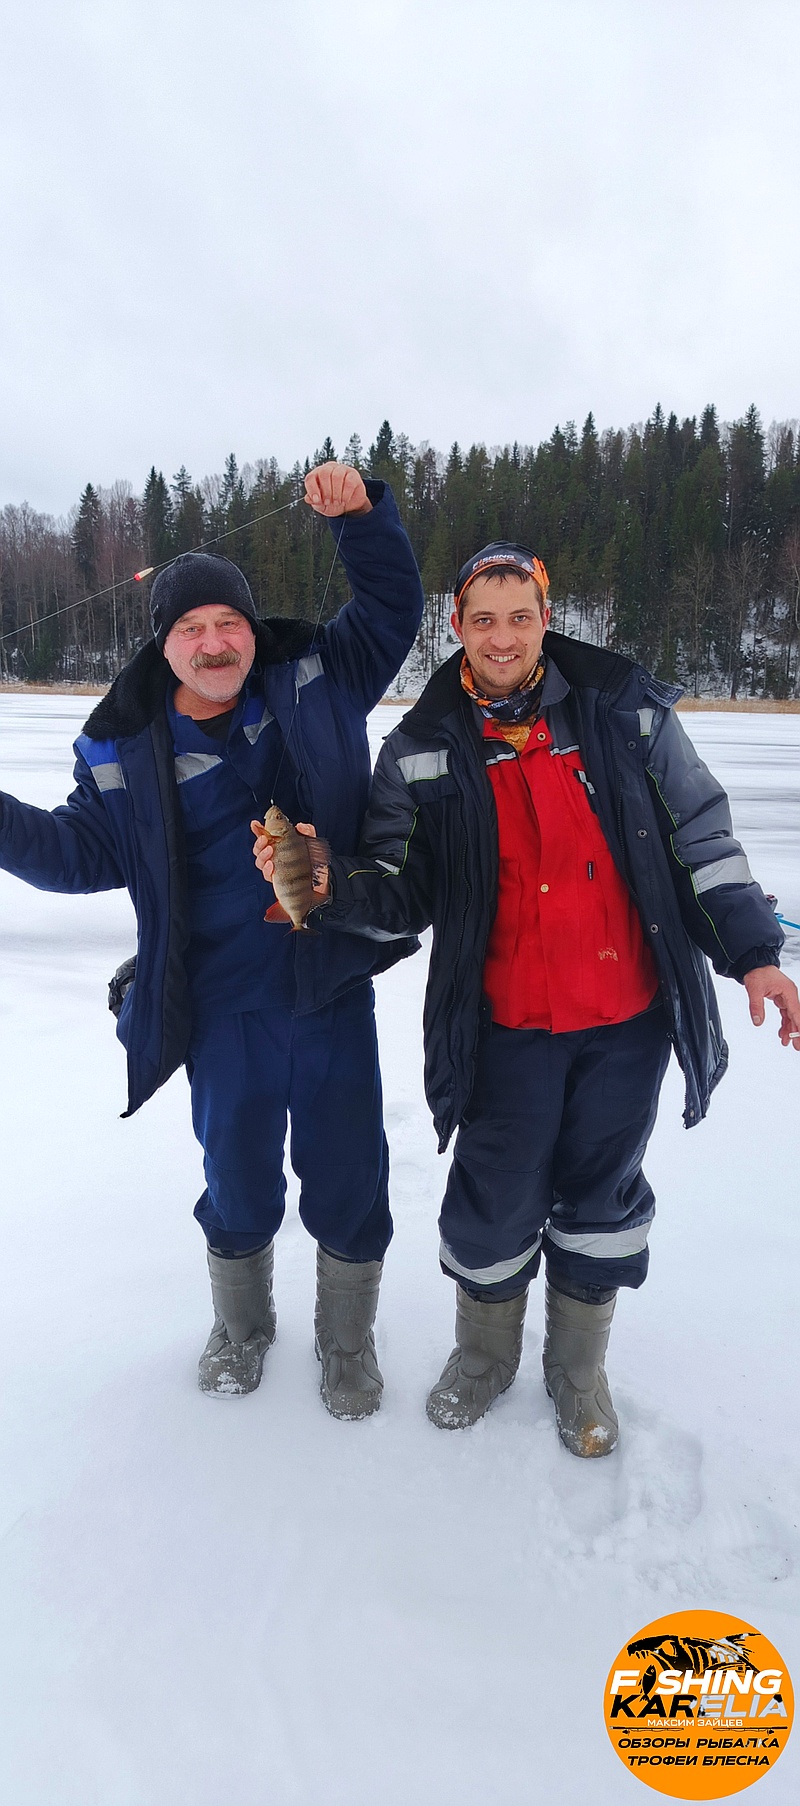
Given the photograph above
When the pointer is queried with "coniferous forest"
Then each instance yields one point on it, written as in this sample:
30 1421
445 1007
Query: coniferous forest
676 541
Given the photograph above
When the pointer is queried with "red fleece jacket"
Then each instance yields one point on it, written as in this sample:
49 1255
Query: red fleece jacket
566 950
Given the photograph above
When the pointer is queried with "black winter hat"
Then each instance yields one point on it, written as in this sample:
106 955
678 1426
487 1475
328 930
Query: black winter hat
192 581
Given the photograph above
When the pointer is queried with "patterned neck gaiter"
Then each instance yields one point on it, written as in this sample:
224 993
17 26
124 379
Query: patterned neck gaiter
513 715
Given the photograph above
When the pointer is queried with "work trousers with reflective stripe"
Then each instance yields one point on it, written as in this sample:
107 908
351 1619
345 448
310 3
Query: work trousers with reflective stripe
548 1158
247 1072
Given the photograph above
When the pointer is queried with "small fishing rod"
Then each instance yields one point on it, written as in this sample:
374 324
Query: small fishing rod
784 923
149 571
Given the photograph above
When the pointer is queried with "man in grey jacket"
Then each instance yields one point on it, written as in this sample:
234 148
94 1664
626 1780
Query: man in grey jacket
542 807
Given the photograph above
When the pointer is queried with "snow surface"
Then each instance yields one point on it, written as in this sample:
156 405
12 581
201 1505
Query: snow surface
245 1601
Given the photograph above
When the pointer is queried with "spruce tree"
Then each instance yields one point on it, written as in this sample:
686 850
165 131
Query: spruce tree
709 429
354 452
232 487
187 520
326 453
86 536
381 454
746 478
157 519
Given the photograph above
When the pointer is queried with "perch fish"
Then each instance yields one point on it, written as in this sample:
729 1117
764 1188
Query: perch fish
294 857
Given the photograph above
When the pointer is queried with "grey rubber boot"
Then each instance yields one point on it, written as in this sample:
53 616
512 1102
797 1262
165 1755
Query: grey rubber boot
244 1324
347 1300
575 1342
483 1363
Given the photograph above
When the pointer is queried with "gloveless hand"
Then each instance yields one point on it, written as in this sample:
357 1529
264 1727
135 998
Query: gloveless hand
770 981
334 489
262 853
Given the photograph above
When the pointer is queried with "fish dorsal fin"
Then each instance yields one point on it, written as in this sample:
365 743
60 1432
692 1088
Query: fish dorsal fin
319 851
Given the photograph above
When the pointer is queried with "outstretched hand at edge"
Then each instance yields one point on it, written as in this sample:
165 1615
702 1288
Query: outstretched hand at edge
770 981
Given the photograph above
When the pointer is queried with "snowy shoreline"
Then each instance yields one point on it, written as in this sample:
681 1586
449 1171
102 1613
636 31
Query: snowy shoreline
750 705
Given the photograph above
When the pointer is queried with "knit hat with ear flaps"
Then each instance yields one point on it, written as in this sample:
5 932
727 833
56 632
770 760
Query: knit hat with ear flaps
194 580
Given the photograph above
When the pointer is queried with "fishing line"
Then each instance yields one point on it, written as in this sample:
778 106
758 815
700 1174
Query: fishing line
307 655
148 571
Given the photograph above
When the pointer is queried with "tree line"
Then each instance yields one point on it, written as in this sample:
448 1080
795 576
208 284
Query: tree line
675 542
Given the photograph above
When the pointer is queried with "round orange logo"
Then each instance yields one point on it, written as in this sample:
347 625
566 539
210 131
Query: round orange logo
699 1705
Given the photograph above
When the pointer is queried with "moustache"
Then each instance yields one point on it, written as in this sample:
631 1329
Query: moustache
214 661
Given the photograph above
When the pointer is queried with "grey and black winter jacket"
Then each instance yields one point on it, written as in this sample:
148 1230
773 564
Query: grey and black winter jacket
429 854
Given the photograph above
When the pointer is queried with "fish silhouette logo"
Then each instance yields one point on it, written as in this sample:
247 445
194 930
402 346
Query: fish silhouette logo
687 1654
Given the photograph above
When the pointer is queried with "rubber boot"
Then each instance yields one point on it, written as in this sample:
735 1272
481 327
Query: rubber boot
347 1300
575 1342
244 1324
483 1363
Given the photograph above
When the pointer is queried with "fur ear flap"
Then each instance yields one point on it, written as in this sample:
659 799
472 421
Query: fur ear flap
135 697
280 638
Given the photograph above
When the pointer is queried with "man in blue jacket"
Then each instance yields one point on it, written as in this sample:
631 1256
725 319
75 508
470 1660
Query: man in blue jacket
219 715
542 807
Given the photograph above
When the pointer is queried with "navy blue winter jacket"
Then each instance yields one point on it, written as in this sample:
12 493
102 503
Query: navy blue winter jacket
122 824
429 854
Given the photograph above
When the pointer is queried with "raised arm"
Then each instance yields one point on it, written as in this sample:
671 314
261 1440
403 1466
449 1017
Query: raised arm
364 647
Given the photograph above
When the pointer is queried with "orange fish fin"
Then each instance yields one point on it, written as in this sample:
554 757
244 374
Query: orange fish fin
276 913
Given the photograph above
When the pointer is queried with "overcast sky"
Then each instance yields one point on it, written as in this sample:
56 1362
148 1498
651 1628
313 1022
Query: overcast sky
246 224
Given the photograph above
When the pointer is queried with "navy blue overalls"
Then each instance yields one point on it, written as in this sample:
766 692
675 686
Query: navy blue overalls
251 1060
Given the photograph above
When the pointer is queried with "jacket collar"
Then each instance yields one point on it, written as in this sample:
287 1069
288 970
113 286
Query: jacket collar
571 664
140 690
441 696
555 686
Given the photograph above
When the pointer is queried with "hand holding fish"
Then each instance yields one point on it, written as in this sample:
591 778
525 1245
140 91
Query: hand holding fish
294 861
334 489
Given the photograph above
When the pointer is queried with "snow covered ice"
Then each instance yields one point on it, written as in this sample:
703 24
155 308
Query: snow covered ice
246 1601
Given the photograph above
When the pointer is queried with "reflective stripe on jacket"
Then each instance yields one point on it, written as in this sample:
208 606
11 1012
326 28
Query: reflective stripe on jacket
429 854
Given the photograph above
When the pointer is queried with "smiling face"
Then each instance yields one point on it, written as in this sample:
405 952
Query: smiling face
210 650
501 628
